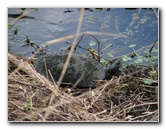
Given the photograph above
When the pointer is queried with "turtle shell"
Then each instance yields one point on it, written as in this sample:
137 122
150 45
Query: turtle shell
82 70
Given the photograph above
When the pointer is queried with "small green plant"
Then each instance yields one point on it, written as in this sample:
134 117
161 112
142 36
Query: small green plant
148 81
15 32
146 53
28 105
92 43
139 60
103 61
153 73
126 58
22 10
132 45
29 42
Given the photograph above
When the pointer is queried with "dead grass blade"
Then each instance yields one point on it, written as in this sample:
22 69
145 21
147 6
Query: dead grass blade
86 32
10 24
72 47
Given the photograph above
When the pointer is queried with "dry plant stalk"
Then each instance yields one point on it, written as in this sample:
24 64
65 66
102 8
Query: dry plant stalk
10 24
86 32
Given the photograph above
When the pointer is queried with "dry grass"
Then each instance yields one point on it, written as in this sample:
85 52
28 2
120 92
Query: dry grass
31 97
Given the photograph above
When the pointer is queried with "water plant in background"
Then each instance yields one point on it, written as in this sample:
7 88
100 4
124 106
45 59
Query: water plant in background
148 81
92 43
147 59
22 10
15 32
29 42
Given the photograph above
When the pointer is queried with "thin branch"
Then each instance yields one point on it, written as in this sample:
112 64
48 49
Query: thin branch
155 12
152 48
86 32
72 47
10 24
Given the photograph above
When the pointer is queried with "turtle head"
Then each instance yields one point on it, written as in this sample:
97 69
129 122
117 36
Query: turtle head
113 70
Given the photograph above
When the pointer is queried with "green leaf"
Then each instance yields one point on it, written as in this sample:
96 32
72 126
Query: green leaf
146 59
148 81
16 31
139 59
102 60
125 84
132 45
154 73
135 17
154 57
27 39
23 9
92 43
126 58
143 20
146 53
28 105
33 81
109 54
155 50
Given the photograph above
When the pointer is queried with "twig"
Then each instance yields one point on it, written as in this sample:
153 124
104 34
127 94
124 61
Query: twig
46 70
78 46
152 48
116 25
72 47
98 57
155 12
86 32
139 11
10 24
26 84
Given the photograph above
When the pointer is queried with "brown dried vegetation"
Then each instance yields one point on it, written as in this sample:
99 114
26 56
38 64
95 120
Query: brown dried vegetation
31 97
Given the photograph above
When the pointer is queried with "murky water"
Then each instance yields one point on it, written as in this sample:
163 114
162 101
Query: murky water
140 26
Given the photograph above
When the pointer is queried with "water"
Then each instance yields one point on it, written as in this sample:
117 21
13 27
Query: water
140 26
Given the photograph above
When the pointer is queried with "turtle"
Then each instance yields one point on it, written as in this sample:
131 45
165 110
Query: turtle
82 71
